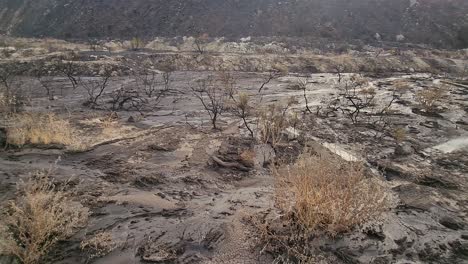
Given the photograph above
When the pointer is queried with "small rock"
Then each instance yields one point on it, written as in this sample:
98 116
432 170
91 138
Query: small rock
131 119
404 150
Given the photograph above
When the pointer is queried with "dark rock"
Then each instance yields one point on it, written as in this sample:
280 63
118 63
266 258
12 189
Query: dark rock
460 248
3 137
404 150
451 223
131 119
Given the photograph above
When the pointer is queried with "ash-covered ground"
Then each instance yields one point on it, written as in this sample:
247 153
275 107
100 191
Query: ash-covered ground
154 179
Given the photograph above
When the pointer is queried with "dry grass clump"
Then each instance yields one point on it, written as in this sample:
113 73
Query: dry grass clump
35 128
399 134
42 215
328 194
429 98
272 122
99 245
247 157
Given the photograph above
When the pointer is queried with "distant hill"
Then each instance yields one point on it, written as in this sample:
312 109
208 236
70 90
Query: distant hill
441 23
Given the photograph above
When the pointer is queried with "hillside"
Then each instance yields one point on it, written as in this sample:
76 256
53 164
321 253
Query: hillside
441 23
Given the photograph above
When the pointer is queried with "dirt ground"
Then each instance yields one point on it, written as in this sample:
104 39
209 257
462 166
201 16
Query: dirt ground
152 183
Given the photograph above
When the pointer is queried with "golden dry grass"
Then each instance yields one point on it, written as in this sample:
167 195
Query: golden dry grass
99 245
328 194
41 216
399 134
37 128
430 98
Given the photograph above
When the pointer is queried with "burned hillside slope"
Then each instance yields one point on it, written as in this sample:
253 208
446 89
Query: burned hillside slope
436 22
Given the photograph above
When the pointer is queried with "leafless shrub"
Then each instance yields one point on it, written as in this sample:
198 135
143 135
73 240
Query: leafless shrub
95 88
11 94
154 85
243 110
213 96
99 245
69 69
93 44
302 84
276 72
127 98
200 43
42 215
45 80
150 88
36 128
358 97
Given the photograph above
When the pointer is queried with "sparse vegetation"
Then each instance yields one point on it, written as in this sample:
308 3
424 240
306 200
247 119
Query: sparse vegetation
302 84
399 134
327 194
318 195
99 245
136 43
272 121
11 94
95 88
200 43
41 216
357 96
37 128
430 98
213 96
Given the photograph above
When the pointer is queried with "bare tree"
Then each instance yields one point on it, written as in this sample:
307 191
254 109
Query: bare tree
302 84
276 72
242 109
357 97
212 96
93 44
126 98
11 96
339 69
68 68
42 75
95 88
200 43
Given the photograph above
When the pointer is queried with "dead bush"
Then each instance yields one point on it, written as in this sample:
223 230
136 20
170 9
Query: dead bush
243 109
99 245
12 97
95 87
272 122
429 99
37 128
358 97
327 194
200 43
213 94
41 216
